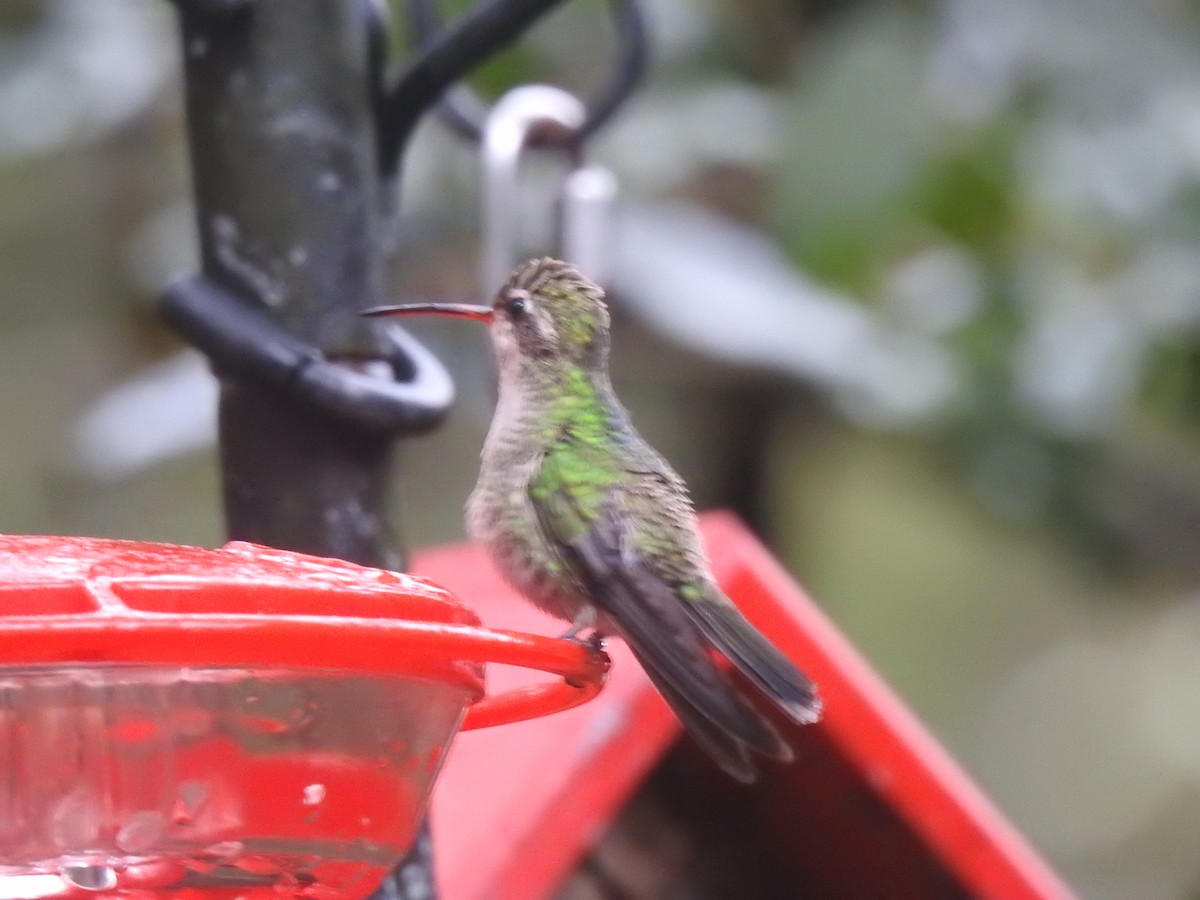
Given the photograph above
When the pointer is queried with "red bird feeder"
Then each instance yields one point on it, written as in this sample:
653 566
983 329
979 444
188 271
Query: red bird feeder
244 722
251 723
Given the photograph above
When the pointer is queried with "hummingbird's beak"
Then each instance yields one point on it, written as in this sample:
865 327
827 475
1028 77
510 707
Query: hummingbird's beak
453 310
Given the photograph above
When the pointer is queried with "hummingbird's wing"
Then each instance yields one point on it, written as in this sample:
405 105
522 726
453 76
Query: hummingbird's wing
589 509
660 499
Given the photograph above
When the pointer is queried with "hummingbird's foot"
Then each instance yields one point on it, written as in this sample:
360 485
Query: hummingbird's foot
584 620
594 642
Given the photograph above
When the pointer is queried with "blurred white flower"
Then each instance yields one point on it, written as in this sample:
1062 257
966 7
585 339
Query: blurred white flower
1078 366
167 410
935 291
81 69
667 135
726 290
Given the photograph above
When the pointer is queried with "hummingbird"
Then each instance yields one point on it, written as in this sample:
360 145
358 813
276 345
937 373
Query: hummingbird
591 524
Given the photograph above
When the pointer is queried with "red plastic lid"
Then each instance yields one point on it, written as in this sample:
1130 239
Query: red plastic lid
69 600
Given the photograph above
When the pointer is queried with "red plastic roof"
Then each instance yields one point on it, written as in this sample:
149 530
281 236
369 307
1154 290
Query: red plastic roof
872 807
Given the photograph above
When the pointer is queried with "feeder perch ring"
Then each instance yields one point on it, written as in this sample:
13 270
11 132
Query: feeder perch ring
83 601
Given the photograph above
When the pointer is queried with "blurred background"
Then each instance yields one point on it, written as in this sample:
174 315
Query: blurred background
914 287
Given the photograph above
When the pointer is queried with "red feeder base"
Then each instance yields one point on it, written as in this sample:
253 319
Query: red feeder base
240 722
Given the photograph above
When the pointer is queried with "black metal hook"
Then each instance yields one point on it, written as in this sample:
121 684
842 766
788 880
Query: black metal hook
450 54
447 57
243 342
466 112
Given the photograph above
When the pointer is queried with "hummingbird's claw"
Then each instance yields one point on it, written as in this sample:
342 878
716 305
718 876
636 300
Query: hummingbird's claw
594 643
584 620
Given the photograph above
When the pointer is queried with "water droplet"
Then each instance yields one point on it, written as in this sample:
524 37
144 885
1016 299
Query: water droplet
141 831
248 691
75 821
89 876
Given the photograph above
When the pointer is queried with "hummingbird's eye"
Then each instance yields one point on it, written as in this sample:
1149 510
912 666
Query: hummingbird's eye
517 304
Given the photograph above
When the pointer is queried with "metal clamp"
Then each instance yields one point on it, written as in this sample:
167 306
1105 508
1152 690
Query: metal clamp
545 118
241 341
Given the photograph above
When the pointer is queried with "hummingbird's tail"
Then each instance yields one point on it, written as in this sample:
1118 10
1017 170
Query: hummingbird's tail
717 718
672 649
722 745
756 657
671 639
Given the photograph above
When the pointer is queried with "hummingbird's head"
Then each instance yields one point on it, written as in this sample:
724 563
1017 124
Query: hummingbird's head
546 316
548 312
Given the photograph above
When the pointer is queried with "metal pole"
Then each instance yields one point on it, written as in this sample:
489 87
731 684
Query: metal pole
283 147
282 141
